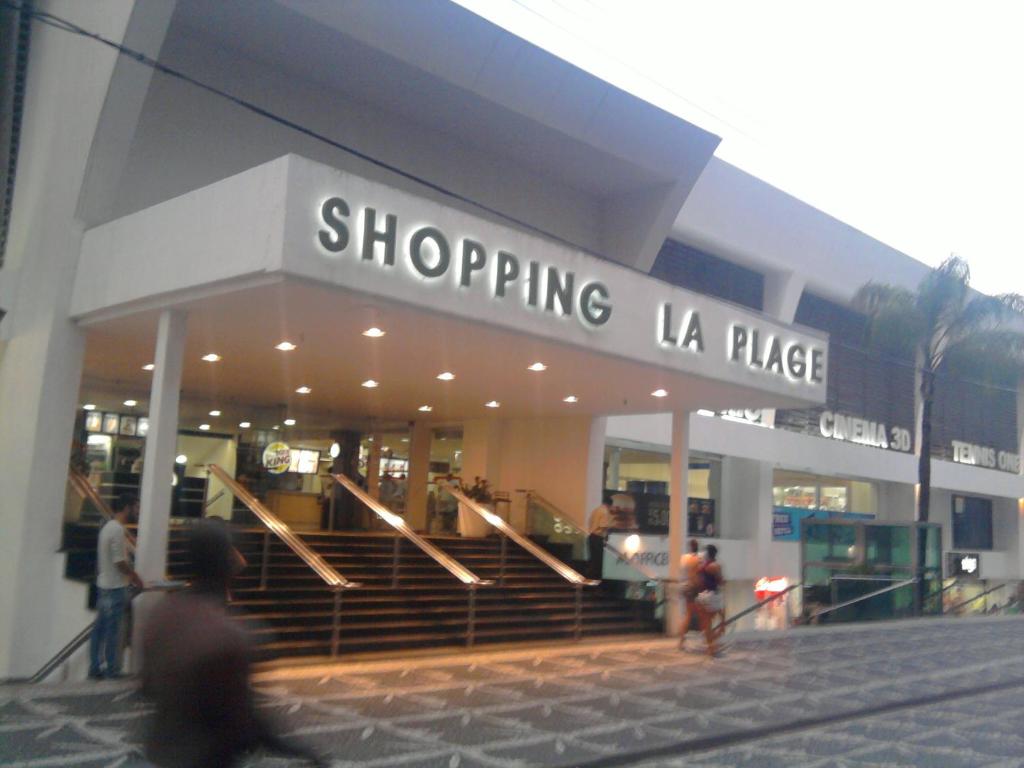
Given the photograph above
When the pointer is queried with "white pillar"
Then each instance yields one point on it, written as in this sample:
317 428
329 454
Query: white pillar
678 489
373 467
158 467
595 463
614 461
161 447
416 482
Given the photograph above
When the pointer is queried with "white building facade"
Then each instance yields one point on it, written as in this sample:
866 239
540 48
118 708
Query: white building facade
305 171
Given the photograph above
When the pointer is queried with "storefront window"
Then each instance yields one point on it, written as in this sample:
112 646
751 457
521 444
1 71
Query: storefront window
797 496
646 476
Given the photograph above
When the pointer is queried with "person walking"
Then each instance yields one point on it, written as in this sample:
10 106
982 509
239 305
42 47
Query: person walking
196 668
710 605
114 575
690 580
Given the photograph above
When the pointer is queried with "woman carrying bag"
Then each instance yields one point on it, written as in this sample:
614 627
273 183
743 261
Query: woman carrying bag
710 602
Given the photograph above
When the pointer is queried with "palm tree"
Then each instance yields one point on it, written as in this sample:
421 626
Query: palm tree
943 323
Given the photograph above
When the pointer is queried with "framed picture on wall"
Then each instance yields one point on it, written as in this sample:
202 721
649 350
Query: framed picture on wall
128 425
111 423
93 421
142 428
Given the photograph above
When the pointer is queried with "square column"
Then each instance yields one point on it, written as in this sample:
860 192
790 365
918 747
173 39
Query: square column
158 467
161 447
419 469
678 488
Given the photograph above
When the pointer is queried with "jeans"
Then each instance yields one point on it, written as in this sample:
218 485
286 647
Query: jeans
106 632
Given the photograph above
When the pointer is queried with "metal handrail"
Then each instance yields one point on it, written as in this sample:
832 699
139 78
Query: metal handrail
208 504
274 525
82 637
446 561
750 609
877 592
84 488
81 484
563 570
550 508
976 597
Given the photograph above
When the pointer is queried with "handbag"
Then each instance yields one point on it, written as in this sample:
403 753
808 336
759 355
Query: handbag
710 601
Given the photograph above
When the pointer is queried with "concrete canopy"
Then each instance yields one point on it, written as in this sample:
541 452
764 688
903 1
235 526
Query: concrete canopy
241 258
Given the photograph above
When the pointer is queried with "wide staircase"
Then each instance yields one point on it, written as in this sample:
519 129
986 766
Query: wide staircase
294 614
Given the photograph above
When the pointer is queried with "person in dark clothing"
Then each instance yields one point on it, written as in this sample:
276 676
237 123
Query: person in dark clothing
196 670
710 603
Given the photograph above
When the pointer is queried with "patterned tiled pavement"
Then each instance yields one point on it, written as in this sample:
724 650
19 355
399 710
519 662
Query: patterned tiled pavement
930 693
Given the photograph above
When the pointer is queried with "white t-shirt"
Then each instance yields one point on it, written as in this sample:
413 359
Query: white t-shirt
111 550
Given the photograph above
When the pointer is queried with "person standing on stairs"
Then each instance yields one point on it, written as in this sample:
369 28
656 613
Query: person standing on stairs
114 575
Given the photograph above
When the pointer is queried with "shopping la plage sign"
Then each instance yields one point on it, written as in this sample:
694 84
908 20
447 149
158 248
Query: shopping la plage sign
388 242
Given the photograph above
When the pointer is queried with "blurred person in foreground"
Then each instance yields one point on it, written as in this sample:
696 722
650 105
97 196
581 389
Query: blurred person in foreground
196 670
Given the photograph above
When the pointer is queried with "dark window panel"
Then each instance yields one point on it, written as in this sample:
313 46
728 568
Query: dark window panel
701 272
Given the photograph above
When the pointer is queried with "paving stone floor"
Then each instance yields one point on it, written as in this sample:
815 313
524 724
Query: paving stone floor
953 689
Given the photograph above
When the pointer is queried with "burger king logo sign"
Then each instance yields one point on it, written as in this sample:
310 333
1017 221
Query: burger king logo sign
277 457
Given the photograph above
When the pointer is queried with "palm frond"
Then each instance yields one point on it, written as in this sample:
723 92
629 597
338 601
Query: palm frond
894 323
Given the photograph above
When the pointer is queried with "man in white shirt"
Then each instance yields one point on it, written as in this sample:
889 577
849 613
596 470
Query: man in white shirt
114 574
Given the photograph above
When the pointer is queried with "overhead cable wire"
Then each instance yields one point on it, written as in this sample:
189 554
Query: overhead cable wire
67 26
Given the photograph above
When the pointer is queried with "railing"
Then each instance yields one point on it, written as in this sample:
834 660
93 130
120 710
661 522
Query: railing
321 567
84 489
402 530
876 593
82 637
507 532
545 519
722 625
960 605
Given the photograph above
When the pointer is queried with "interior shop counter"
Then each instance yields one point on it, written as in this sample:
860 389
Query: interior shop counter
295 508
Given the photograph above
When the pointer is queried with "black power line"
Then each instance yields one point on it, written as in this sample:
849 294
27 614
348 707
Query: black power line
67 26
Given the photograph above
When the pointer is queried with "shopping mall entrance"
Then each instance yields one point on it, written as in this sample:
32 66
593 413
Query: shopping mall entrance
390 408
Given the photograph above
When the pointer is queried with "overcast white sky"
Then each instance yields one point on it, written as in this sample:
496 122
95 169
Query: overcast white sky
903 118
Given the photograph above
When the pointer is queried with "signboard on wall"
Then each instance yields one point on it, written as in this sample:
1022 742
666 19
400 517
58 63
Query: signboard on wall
277 458
639 554
963 564
786 520
651 512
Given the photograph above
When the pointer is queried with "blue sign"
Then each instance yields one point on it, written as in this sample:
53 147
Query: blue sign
786 520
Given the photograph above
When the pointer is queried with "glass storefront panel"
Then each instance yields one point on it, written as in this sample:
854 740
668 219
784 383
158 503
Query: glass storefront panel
888 546
830 543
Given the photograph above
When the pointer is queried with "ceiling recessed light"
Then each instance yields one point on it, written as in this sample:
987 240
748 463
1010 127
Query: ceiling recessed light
570 399
335 450
405 439
181 458
89 407
374 333
289 422
215 413
446 376
212 357
705 412
659 393
537 367
130 403
244 424
426 408
148 367
286 346
493 404
204 427
303 390
370 384
275 427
